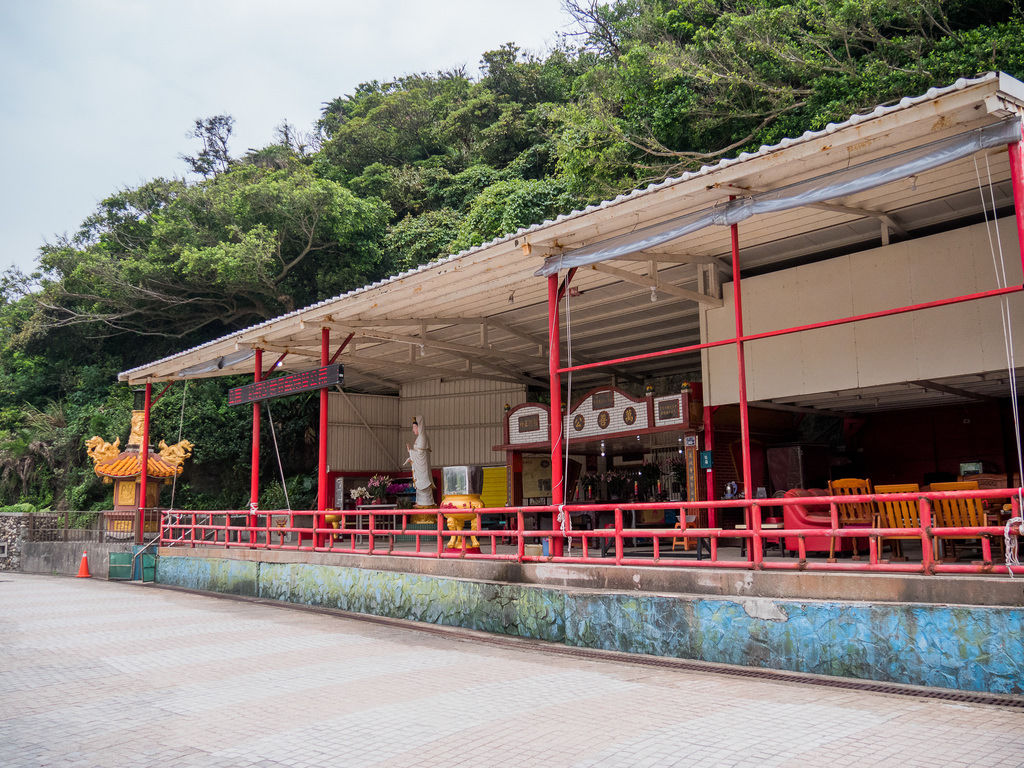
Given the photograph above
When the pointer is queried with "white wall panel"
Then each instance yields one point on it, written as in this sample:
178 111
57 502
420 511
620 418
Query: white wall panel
464 418
945 341
363 432
881 282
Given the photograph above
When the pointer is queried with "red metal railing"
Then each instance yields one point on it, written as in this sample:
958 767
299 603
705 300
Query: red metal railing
392 533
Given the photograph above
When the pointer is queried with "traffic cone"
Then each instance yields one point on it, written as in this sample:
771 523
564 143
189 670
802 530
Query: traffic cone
83 569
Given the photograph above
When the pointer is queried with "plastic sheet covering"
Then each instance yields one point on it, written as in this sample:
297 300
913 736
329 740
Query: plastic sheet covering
219 363
848 181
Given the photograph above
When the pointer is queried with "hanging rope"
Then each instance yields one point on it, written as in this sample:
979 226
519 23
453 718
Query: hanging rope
280 468
181 425
999 267
1010 542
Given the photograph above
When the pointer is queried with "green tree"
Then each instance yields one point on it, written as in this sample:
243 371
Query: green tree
507 206
418 240
682 83
214 133
172 259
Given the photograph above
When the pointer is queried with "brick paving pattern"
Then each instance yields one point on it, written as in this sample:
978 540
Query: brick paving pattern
96 673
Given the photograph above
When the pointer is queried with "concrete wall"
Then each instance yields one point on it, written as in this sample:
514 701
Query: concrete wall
59 558
964 647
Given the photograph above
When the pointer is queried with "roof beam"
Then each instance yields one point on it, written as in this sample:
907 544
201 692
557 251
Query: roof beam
885 217
279 348
448 346
494 359
771 405
438 371
372 376
667 257
945 388
506 373
494 322
542 343
658 285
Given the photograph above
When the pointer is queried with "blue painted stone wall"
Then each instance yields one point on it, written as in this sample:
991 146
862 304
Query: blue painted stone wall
232 577
960 647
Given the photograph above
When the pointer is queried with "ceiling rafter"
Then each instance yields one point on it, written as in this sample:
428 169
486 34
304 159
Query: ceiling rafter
493 322
675 259
945 388
506 373
885 217
658 285
447 346
279 349
493 359
434 370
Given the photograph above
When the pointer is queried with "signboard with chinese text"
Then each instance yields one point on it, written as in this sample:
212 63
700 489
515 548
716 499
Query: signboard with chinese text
318 378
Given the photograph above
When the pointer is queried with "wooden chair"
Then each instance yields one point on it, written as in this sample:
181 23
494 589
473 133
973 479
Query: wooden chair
854 513
700 520
986 481
898 514
958 513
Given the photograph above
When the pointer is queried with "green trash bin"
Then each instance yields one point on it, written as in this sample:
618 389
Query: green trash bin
120 566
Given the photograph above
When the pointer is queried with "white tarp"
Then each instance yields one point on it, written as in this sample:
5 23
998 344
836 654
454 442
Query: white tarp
838 184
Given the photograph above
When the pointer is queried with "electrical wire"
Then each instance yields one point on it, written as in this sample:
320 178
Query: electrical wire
181 425
999 268
277 452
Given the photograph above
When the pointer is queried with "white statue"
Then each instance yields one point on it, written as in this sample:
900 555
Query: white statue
419 457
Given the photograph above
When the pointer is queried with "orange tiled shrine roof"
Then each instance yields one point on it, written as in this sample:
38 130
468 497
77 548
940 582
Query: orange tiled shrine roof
129 464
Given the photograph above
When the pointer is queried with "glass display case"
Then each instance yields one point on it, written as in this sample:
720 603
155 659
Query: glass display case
462 480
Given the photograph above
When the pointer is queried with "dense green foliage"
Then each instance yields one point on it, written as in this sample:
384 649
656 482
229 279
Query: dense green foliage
404 171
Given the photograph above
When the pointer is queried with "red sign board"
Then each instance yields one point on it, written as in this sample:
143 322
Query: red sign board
318 378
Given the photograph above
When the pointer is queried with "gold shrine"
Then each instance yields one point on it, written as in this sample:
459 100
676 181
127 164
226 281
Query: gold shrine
124 469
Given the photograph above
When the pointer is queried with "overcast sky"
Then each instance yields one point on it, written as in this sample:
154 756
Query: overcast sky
97 95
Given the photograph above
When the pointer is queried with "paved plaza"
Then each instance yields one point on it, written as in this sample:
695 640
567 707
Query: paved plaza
96 673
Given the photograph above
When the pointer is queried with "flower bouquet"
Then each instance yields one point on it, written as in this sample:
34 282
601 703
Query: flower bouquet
377 487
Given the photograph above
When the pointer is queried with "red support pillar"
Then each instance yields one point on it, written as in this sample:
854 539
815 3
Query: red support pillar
321 480
1016 151
144 453
754 550
254 478
741 362
555 415
709 445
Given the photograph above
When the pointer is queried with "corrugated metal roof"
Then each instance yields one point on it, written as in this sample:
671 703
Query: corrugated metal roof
743 157
482 313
